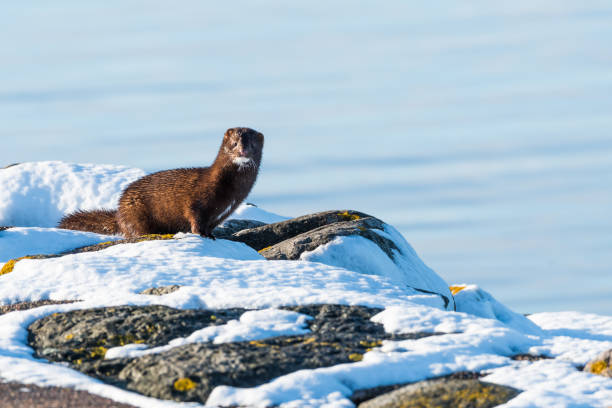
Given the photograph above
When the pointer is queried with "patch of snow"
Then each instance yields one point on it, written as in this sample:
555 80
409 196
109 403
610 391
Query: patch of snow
20 241
247 211
475 301
552 383
360 254
214 274
572 336
39 194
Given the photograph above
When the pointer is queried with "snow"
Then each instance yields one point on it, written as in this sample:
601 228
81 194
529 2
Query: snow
251 212
39 193
481 335
21 241
360 254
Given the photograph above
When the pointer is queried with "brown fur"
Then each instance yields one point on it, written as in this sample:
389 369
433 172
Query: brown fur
100 221
182 200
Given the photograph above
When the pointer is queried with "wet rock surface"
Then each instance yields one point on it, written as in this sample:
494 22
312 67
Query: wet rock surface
601 365
340 334
444 393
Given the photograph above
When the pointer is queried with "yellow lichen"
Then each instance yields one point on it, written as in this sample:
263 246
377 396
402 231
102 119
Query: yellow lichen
98 352
79 361
155 236
257 343
184 384
370 344
349 217
213 317
69 336
8 267
264 249
598 367
456 289
355 357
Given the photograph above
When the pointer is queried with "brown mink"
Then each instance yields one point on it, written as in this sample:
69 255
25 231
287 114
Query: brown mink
182 200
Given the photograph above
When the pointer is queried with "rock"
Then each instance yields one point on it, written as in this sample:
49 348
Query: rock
444 393
292 248
83 335
31 305
160 290
602 365
530 357
363 395
271 234
4 228
230 227
340 334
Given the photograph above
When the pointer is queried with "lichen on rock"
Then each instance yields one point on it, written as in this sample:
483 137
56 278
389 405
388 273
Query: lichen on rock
339 334
444 393
601 365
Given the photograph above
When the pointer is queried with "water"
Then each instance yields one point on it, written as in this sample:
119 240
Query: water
482 131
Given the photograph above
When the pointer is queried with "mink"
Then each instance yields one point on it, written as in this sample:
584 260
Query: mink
182 200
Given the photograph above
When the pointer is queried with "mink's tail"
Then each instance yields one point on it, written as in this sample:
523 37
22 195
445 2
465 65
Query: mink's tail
100 221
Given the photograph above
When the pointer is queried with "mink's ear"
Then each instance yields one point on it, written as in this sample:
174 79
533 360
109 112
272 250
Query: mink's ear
260 138
228 134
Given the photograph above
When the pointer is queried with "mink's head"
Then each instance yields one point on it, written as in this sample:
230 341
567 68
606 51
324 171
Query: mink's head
243 147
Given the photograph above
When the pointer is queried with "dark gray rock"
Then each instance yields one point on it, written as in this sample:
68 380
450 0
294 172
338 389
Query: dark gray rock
4 228
444 393
82 335
366 394
160 290
530 357
31 305
271 234
230 227
292 248
601 365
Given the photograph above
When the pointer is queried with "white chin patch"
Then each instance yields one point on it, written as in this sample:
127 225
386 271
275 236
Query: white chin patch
243 161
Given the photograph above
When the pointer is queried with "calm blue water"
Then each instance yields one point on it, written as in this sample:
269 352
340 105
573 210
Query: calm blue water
482 131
